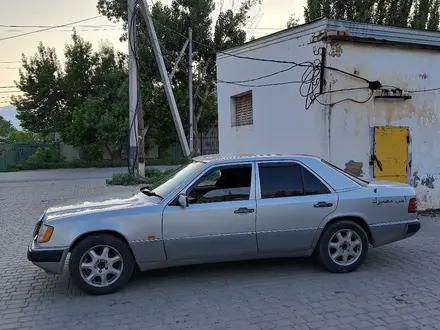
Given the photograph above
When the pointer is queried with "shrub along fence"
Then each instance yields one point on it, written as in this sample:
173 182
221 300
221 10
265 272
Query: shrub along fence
18 153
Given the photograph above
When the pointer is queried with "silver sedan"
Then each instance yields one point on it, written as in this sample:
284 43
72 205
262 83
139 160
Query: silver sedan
217 209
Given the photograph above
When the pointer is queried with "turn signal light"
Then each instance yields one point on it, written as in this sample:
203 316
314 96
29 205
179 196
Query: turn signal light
412 205
45 234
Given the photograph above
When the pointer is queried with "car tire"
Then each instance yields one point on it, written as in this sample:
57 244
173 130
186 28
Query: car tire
343 247
101 264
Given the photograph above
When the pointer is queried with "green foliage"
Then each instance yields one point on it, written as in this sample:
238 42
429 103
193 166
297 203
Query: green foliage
6 127
420 14
86 99
125 179
22 136
180 15
44 155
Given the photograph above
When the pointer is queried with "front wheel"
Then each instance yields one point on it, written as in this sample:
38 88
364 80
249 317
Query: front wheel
101 264
342 247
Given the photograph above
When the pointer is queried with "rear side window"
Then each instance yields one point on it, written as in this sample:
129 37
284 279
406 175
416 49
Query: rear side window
312 185
288 180
280 181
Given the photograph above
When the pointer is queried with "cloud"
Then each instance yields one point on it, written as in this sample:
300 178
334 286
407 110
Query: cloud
9 113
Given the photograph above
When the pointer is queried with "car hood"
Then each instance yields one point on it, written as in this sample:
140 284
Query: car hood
101 205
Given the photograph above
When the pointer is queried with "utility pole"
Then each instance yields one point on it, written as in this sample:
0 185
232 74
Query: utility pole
141 134
165 79
190 87
132 86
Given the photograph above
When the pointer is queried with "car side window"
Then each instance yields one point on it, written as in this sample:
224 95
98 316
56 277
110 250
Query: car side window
288 180
313 185
280 180
222 184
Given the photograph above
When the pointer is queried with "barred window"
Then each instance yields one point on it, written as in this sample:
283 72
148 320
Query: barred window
243 110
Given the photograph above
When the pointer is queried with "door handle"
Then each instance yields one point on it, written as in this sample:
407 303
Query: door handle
323 204
244 210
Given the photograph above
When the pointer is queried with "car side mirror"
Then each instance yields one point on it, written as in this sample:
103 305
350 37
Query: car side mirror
183 200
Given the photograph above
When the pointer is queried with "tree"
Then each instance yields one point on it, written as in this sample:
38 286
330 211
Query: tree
23 136
6 127
293 21
40 108
95 98
420 14
170 23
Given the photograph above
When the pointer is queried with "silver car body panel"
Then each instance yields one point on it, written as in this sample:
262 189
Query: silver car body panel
162 234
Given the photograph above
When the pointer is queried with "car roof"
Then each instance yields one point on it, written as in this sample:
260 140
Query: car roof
221 158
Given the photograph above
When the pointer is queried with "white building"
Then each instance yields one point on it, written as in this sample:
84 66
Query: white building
268 115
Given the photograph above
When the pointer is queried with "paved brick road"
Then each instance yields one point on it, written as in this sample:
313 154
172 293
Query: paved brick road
397 288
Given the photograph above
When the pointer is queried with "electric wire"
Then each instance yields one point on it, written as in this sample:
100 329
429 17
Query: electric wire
49 28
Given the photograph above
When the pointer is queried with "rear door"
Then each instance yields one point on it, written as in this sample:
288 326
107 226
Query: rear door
291 203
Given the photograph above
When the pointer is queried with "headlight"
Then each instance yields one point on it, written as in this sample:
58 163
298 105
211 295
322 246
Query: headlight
44 234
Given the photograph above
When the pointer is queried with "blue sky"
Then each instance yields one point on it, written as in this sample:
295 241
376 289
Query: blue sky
269 17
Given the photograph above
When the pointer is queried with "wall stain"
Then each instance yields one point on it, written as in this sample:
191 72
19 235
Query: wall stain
354 168
398 110
429 181
415 179
335 50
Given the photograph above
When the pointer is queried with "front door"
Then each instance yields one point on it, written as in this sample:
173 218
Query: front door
291 203
220 220
391 153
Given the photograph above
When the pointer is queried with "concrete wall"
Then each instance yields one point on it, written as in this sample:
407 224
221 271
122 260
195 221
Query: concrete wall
350 129
280 121
343 133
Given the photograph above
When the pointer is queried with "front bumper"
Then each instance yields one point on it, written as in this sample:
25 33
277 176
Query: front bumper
51 260
389 232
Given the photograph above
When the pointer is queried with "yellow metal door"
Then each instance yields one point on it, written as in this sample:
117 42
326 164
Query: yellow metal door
391 150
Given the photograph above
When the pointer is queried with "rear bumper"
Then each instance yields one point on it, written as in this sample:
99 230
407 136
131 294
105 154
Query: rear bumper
389 232
50 260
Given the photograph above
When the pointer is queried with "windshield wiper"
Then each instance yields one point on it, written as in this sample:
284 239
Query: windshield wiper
149 193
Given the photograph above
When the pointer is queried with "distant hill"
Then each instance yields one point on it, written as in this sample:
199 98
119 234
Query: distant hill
9 113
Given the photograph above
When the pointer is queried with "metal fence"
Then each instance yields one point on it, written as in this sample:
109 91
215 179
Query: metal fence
18 153
208 145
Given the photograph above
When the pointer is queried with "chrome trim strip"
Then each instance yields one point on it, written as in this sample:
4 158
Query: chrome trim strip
145 241
285 230
393 223
209 236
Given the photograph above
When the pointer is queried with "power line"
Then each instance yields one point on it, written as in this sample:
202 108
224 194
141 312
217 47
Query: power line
53 26
49 28
9 86
78 30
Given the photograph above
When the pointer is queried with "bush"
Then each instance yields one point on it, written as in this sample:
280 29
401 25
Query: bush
45 158
125 179
44 155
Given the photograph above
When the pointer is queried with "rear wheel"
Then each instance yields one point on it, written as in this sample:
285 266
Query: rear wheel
101 264
342 247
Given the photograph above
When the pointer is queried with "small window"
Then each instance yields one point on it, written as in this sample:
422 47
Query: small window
222 185
243 110
312 185
280 180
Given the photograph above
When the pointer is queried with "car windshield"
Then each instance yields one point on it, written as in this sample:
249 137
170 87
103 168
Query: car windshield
350 176
166 186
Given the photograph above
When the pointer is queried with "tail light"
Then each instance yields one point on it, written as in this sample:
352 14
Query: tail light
412 205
